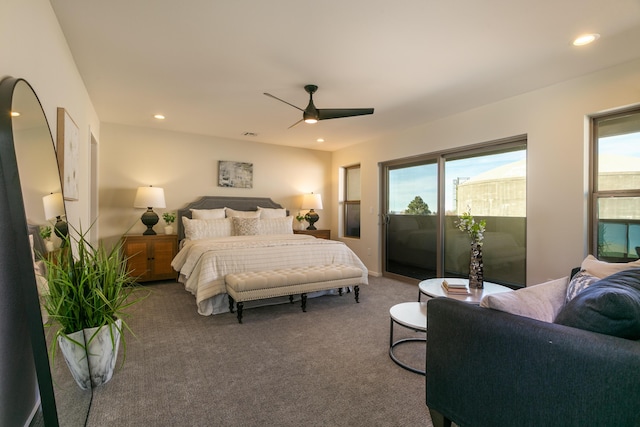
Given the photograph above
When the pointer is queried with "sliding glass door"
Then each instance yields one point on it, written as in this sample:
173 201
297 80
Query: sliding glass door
423 197
411 224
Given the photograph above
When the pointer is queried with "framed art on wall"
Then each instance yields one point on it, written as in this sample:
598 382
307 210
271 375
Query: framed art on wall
67 147
235 174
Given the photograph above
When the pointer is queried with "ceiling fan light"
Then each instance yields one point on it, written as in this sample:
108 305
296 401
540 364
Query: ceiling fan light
310 120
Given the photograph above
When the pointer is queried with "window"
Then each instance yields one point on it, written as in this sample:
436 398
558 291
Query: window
352 201
423 196
615 187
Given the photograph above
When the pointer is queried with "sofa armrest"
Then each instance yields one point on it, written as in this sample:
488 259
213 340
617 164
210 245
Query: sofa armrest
490 368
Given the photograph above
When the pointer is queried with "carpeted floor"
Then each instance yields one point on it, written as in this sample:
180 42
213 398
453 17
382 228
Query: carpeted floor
281 367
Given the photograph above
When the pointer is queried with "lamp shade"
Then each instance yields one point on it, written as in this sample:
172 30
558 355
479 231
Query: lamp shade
311 201
53 205
149 197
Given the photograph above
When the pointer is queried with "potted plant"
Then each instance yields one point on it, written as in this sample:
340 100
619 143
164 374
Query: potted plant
45 233
87 294
169 218
300 219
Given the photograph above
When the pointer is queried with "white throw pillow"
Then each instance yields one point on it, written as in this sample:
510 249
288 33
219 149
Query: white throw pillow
232 213
207 213
196 229
602 269
541 302
270 226
271 213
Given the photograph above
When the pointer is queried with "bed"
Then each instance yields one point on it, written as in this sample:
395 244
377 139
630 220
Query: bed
223 235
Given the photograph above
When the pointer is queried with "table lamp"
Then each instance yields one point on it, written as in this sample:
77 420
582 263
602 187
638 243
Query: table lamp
311 202
149 197
54 208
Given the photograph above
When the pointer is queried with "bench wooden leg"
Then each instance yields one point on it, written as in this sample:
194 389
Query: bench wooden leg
340 291
230 304
304 302
356 290
240 305
290 299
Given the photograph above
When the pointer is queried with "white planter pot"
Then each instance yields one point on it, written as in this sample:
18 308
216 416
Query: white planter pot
101 351
168 229
48 244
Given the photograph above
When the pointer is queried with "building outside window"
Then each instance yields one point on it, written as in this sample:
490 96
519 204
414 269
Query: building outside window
615 186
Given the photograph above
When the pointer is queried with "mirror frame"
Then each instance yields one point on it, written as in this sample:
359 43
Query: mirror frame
19 268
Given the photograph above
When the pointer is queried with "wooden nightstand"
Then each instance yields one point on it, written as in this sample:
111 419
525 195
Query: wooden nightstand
320 234
149 257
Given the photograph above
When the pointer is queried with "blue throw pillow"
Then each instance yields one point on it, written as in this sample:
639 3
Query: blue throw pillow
610 306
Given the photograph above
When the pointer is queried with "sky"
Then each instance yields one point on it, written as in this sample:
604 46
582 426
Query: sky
407 183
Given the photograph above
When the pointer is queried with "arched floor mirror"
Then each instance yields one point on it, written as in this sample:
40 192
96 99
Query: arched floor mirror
28 172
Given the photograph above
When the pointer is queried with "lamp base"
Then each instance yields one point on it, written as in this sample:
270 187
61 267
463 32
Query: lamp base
312 217
149 218
61 229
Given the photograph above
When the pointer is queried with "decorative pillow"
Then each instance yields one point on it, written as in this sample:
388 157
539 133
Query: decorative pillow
207 213
275 225
271 213
540 302
602 269
610 306
245 226
579 282
196 229
232 213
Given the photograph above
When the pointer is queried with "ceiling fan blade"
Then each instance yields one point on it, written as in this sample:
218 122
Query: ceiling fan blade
282 100
336 113
295 123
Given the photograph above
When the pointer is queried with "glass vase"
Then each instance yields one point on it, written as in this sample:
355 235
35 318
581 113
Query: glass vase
476 266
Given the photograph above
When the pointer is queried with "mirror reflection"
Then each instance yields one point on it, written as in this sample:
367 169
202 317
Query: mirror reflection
44 209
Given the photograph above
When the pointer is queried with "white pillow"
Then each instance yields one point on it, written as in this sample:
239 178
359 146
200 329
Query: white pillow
232 213
275 226
245 226
272 213
207 213
196 229
602 269
540 302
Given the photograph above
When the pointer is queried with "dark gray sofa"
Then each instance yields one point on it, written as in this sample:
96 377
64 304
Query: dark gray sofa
491 368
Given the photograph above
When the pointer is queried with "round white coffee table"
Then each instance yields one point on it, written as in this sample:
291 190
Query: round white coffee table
433 288
411 315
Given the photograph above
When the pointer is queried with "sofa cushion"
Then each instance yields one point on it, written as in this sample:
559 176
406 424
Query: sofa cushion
610 306
602 269
540 302
578 283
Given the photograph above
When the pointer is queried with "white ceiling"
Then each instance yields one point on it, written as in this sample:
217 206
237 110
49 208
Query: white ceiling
205 64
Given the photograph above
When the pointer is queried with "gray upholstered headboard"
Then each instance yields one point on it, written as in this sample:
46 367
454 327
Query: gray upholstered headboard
217 202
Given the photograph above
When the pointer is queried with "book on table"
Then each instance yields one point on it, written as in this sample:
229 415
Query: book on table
456 286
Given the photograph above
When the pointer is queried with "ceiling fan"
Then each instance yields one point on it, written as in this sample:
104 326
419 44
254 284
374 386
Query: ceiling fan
311 114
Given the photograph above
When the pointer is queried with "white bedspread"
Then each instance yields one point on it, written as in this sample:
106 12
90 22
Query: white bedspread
203 264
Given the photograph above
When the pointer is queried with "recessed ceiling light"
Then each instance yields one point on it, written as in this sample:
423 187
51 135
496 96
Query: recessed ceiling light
320 140
14 114
586 39
159 116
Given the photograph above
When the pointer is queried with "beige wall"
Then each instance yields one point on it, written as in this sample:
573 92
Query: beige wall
554 118
32 47
186 166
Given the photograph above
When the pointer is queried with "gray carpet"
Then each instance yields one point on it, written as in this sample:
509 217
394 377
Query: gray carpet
281 367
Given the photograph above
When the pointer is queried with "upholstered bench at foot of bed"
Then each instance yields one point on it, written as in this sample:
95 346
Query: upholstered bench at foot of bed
254 285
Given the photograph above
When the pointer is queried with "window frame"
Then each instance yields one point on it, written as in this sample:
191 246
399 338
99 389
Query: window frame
595 195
